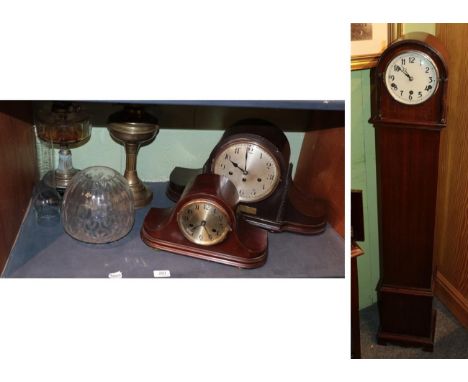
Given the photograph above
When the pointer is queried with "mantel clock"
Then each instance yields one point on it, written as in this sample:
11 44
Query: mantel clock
204 224
254 155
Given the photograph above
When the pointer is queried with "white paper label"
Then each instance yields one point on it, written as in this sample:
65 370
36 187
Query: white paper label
164 273
115 275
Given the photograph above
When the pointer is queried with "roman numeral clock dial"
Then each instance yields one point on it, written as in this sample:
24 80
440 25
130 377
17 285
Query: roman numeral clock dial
411 77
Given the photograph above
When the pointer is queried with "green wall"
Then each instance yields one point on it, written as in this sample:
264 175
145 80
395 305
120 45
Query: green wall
181 147
429 28
363 178
186 137
363 175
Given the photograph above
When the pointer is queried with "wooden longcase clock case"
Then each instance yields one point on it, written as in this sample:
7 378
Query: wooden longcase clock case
407 146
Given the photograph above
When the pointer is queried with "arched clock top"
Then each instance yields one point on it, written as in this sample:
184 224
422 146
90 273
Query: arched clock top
419 41
206 185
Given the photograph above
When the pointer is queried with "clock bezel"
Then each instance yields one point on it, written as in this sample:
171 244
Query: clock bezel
206 201
255 141
405 52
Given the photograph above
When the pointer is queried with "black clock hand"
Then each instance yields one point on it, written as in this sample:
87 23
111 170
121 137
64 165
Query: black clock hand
407 75
237 166
245 165
405 72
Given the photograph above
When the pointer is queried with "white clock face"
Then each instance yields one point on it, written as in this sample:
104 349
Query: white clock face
411 77
252 168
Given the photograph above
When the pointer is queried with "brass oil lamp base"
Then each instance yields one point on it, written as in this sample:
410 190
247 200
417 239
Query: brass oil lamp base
132 127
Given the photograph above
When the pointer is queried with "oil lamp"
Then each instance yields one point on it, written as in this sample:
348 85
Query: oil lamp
64 125
132 127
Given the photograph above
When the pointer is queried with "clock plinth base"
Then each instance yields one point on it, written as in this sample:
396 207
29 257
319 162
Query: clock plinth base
297 212
426 343
294 220
245 248
407 317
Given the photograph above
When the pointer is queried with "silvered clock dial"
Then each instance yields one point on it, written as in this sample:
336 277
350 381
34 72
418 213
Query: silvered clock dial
250 166
411 77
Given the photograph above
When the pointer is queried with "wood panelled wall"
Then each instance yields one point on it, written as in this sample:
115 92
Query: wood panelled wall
320 169
18 170
451 239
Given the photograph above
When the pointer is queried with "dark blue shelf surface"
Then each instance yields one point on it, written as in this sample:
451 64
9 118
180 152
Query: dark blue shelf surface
50 252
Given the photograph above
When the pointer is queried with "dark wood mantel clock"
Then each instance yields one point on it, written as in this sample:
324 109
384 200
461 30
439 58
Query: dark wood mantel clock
408 90
254 154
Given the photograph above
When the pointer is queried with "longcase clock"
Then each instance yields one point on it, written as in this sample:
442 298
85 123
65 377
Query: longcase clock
408 89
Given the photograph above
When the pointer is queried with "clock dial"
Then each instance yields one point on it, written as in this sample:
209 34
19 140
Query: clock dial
411 77
203 222
251 167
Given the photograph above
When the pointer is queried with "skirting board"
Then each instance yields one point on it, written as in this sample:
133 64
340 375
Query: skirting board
451 298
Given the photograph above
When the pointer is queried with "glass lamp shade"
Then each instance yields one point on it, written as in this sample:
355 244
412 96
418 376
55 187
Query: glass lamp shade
98 206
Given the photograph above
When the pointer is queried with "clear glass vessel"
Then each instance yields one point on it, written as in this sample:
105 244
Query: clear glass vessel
98 206
65 125
46 203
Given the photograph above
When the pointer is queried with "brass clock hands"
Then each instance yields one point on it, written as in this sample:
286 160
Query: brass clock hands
202 224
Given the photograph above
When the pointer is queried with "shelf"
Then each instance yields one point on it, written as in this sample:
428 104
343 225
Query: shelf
50 252
298 105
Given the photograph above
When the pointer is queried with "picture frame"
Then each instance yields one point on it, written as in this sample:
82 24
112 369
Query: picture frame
368 41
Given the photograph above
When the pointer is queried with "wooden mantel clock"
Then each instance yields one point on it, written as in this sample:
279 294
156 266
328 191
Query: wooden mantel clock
203 224
408 89
254 154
